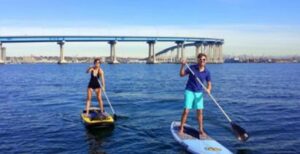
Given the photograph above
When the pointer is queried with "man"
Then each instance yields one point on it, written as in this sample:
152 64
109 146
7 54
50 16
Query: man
193 95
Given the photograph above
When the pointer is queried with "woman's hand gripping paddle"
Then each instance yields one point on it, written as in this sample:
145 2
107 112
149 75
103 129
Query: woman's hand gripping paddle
112 109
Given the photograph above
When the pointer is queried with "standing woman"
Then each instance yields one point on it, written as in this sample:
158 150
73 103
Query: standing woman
96 72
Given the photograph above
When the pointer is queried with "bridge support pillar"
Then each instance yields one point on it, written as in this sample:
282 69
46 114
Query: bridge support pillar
1 51
214 53
113 57
205 46
62 57
210 53
220 59
3 54
207 51
177 59
214 56
171 56
202 48
219 53
151 57
198 49
180 51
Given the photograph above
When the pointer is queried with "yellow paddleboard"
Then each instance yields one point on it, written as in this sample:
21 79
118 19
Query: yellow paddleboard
96 118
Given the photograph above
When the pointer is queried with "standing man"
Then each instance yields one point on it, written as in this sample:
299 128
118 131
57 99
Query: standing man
193 95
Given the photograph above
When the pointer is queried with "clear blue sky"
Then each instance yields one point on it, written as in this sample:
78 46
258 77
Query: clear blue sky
227 19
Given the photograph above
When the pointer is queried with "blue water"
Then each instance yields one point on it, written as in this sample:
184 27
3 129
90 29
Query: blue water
40 106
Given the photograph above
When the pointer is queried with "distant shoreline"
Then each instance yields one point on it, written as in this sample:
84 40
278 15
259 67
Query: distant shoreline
288 62
74 60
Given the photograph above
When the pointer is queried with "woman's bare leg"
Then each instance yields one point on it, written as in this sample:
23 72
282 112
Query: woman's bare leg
88 100
99 98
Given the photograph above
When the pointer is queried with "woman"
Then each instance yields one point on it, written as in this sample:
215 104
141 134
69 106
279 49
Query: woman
94 84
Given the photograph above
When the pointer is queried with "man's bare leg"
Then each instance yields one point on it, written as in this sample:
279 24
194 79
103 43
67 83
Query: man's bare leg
202 134
183 120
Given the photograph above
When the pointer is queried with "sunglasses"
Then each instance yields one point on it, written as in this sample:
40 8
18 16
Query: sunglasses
203 59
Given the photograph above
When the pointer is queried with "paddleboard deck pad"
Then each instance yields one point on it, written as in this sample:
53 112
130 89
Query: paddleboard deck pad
96 118
191 141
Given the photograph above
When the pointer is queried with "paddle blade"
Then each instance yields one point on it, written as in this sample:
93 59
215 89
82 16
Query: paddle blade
115 117
240 132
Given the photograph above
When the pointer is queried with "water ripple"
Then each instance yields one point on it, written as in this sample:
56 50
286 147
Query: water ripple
40 108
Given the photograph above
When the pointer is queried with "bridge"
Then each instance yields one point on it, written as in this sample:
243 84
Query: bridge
210 46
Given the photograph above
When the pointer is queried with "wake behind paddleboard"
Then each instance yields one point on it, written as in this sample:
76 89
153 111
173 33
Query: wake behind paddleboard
96 118
190 140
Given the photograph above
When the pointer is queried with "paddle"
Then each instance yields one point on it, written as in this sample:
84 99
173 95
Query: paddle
112 109
240 132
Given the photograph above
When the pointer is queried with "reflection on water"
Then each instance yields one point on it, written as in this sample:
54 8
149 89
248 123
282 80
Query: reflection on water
244 151
96 137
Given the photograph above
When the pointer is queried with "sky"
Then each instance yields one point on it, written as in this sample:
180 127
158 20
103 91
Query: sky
251 27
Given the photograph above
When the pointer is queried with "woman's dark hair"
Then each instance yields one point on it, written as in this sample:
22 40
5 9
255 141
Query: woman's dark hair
201 55
97 59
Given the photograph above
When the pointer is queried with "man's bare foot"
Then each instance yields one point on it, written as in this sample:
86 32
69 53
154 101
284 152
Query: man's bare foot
180 132
202 135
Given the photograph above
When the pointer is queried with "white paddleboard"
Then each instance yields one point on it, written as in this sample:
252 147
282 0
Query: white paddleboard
190 140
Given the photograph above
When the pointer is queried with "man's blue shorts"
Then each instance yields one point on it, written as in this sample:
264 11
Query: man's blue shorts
193 100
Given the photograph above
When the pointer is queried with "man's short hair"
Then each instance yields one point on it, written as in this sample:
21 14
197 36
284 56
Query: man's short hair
201 55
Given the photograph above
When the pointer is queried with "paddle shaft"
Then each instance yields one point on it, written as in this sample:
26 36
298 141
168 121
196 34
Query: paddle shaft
112 109
214 100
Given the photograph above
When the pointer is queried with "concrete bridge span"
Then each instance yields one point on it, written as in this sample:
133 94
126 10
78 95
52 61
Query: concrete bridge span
211 44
